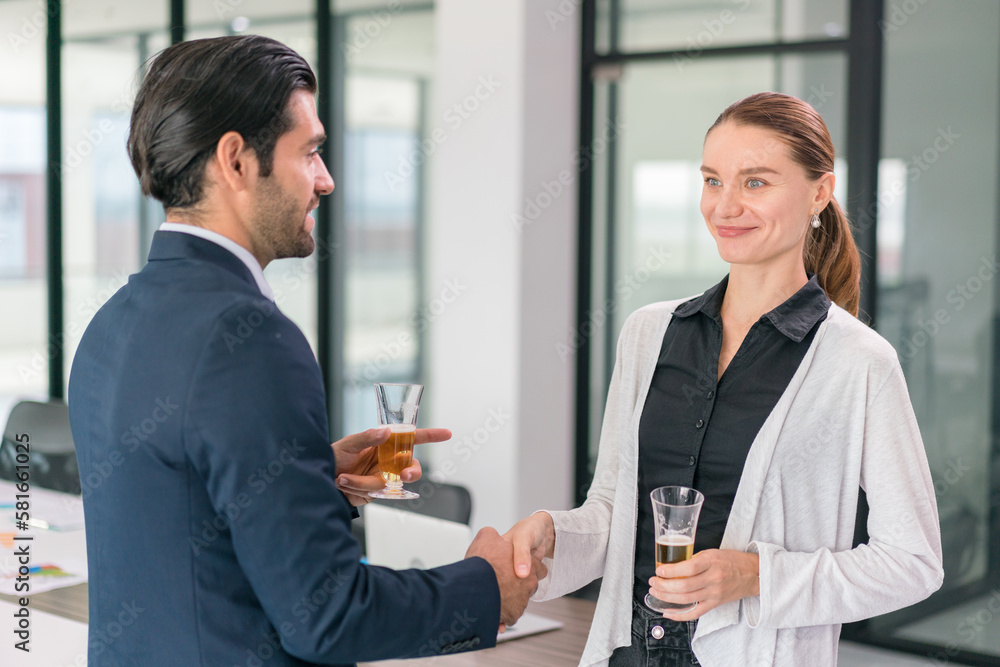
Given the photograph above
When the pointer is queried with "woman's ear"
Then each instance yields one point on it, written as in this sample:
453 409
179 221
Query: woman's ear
824 190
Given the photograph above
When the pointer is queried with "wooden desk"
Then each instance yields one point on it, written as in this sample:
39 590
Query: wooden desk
548 649
68 602
558 648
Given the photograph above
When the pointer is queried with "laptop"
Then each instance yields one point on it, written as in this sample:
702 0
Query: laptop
400 540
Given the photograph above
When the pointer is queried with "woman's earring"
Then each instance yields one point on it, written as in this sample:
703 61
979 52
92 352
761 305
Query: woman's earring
814 221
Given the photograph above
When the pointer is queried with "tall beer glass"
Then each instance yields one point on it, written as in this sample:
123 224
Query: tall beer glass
397 409
675 510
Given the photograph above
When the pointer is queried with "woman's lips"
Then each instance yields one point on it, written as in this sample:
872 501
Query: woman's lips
730 232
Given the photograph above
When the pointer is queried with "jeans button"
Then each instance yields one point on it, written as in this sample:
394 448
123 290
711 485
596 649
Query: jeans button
657 632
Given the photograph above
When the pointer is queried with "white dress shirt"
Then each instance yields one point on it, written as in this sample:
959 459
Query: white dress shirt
232 246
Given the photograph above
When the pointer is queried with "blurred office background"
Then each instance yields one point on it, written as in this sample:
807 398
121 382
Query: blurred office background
513 178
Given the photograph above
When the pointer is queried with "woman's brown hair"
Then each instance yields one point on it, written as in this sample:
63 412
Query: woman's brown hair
829 250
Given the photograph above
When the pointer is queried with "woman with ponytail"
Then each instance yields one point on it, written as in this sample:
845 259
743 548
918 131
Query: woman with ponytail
766 394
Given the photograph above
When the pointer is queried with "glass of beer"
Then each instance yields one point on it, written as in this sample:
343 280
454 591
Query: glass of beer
397 409
675 510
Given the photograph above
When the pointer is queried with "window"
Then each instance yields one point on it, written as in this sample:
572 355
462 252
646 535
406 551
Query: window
24 344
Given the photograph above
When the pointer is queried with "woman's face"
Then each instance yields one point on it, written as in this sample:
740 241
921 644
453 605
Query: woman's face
756 200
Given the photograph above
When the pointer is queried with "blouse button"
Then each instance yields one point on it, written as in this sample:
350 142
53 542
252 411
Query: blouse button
657 632
691 461
701 422
710 394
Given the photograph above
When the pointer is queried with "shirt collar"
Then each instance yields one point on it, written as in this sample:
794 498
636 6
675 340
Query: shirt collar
795 318
232 246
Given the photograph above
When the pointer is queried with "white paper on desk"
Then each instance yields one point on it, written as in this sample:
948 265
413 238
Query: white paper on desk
54 510
528 624
51 575
55 641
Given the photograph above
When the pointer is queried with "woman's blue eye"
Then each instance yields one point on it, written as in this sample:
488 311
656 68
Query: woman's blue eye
755 183
712 181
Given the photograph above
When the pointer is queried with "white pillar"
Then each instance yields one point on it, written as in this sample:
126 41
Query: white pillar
502 230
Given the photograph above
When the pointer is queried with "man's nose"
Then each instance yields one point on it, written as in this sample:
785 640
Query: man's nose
324 181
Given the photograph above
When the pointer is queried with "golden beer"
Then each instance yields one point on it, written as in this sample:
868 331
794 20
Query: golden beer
396 453
673 549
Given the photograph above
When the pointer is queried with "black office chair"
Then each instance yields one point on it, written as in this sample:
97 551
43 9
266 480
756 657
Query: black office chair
51 454
450 502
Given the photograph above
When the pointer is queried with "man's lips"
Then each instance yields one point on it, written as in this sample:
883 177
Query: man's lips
730 232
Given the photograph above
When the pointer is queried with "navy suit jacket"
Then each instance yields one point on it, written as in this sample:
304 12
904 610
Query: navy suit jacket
215 533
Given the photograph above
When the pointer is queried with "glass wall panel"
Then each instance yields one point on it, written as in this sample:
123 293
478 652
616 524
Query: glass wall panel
661 25
390 62
106 222
937 298
656 234
24 353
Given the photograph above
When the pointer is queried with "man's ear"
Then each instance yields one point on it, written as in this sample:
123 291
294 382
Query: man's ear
235 162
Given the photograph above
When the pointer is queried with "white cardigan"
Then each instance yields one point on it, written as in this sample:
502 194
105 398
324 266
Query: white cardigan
844 422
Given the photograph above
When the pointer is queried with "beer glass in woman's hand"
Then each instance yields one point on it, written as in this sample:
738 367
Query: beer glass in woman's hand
675 510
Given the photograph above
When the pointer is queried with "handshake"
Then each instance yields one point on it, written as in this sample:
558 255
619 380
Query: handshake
516 558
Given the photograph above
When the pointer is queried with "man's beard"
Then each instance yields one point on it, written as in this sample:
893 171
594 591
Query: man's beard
279 223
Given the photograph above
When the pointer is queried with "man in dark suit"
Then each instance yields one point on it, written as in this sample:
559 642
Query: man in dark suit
221 534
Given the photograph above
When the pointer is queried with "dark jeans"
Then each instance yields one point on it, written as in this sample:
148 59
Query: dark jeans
671 649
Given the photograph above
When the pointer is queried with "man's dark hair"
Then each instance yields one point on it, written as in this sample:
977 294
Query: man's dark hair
193 93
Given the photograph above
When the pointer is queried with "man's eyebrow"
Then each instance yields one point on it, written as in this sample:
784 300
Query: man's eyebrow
742 172
316 140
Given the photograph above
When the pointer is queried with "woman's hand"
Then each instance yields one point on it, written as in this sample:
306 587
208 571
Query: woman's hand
531 537
357 461
711 578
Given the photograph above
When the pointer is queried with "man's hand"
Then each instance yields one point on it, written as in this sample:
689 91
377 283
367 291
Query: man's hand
357 461
514 590
711 578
